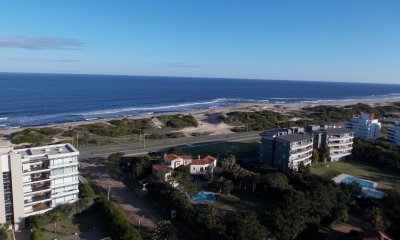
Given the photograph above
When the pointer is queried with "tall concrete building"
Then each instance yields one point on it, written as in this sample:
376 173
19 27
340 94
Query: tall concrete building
292 150
394 133
284 149
339 141
267 146
365 126
35 180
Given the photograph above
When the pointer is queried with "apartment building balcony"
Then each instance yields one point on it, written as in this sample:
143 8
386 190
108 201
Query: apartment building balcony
37 187
38 208
301 150
341 148
306 162
338 144
295 146
40 186
41 206
38 177
336 151
340 137
38 198
301 158
64 164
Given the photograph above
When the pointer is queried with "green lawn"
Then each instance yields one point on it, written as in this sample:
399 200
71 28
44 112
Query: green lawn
386 178
239 149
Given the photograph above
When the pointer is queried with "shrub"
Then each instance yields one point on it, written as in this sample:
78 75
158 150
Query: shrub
116 224
37 235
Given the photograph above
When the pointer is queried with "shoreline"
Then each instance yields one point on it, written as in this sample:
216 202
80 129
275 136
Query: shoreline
201 114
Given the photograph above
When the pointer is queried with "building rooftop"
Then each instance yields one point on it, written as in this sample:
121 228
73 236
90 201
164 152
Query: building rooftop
295 137
278 132
332 131
203 161
172 157
161 167
47 150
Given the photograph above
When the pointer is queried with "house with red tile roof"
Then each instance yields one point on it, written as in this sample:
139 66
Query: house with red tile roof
198 166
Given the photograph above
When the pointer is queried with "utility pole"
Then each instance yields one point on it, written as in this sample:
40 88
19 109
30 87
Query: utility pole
77 140
108 193
144 140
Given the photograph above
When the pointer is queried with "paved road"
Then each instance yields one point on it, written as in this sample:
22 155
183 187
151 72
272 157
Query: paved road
156 145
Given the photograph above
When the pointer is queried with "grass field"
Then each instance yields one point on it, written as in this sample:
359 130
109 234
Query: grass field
387 178
239 149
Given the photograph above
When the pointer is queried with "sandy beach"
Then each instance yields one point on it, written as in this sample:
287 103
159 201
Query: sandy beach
209 121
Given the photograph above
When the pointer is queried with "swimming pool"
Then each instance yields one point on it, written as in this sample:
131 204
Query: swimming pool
203 198
361 182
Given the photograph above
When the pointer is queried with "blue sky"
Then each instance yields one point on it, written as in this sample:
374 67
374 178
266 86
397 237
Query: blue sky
342 40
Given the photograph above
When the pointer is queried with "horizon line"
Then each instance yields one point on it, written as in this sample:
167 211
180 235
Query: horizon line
168 76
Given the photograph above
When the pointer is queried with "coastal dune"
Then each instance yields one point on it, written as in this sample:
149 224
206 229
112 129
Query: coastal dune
209 121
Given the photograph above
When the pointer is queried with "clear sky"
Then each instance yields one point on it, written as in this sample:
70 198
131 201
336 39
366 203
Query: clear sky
330 40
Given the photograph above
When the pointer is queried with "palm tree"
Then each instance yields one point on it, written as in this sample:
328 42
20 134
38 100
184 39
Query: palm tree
164 231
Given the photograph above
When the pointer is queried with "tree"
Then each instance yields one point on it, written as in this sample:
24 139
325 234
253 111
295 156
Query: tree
164 231
36 235
3 230
85 191
228 163
212 214
249 228
181 175
224 185
289 217
114 158
324 154
391 212
227 187
38 221
315 156
375 214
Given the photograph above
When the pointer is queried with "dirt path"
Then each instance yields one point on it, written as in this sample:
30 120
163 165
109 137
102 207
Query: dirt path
134 205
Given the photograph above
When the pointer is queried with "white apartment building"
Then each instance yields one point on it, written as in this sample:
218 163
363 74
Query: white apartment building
35 180
365 126
293 149
339 141
394 133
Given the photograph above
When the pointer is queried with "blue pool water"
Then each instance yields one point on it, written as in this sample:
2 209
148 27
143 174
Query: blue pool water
361 182
203 197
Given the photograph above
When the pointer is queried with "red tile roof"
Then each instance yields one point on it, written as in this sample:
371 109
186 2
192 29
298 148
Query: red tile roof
171 157
203 161
160 167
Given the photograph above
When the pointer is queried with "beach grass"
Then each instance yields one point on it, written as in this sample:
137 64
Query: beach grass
387 178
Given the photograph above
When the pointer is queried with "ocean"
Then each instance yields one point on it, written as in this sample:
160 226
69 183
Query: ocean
39 99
